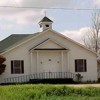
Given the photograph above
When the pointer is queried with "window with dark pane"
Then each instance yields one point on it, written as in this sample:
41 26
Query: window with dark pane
47 25
17 66
80 65
40 25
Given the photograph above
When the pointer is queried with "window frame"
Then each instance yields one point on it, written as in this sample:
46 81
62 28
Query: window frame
84 65
16 67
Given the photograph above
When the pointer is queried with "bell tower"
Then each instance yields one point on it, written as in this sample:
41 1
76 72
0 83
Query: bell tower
45 24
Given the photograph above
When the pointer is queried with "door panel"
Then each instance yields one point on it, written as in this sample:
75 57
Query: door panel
50 61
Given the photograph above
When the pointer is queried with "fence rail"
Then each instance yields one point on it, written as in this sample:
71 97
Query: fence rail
44 75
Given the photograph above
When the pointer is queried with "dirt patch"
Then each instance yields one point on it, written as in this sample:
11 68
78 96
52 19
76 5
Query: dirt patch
85 85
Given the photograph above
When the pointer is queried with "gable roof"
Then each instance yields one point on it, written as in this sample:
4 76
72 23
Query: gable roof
12 40
32 36
56 45
45 19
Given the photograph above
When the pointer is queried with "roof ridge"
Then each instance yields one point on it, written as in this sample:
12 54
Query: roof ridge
12 35
21 34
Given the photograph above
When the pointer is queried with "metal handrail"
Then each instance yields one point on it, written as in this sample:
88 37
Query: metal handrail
44 75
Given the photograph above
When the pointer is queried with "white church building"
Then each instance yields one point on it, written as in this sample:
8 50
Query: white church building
46 54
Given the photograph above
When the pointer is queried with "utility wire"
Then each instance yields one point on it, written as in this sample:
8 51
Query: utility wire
26 7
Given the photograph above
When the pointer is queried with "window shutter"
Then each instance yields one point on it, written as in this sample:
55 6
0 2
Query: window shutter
22 65
85 66
75 65
12 67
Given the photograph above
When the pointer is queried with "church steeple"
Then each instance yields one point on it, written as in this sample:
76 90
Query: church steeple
45 23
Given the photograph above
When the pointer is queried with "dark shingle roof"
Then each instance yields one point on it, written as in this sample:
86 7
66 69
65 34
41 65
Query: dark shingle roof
13 39
46 19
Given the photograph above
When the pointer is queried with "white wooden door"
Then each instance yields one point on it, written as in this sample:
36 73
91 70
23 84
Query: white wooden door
50 61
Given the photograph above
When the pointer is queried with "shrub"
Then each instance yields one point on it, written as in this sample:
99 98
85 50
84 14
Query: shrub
2 66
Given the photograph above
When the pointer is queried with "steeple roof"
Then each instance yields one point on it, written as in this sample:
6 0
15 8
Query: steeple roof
46 19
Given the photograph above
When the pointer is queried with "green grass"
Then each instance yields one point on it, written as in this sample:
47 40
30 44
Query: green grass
48 92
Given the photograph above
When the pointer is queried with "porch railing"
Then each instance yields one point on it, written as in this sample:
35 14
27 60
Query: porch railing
44 75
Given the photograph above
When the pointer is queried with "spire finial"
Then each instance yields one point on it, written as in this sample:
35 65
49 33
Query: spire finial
45 12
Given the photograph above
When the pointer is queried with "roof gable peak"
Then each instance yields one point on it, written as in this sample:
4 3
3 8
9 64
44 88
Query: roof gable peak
46 19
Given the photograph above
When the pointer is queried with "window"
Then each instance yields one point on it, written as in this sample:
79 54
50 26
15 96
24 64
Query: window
47 25
40 25
17 66
80 65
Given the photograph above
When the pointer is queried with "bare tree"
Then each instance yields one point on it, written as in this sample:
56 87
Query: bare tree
92 39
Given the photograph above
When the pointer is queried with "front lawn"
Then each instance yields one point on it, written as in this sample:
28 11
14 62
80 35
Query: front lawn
48 92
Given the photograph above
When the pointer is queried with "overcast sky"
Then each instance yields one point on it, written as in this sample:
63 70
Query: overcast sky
72 23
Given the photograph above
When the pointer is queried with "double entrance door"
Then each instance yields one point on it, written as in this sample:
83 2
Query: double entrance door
49 61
